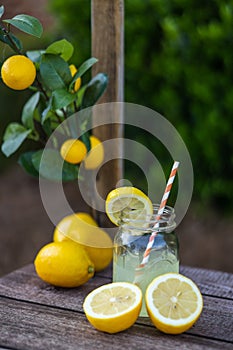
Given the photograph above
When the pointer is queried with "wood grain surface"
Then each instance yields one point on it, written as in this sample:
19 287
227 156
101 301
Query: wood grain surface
35 315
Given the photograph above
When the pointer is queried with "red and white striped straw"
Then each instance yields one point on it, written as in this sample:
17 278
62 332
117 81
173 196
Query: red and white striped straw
158 217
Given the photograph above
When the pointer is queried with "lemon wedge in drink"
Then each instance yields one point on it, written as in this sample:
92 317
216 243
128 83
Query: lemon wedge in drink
113 307
126 204
174 303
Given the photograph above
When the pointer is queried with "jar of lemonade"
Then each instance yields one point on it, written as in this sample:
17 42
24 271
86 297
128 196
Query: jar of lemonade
131 242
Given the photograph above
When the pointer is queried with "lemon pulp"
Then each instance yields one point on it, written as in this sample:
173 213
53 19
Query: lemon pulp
113 307
174 303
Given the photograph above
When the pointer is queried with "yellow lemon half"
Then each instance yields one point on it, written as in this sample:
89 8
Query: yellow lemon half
113 307
82 229
18 72
127 203
174 303
64 264
73 151
95 156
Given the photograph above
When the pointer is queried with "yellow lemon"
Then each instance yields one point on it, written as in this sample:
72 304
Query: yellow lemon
96 155
73 151
18 72
72 222
174 303
82 229
101 254
113 307
127 203
77 84
64 264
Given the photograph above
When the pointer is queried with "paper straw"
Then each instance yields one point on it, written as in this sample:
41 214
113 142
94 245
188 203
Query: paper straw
146 254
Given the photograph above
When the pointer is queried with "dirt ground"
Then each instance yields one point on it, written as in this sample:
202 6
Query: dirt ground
205 241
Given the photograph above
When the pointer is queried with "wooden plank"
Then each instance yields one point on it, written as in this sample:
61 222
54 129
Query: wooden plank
215 321
210 282
25 285
108 46
30 326
213 283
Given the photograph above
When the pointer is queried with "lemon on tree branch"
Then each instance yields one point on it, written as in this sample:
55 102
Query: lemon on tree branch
57 92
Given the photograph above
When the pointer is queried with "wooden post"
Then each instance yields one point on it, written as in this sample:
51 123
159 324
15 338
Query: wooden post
108 47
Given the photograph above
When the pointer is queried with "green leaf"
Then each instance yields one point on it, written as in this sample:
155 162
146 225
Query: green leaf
62 98
1 10
79 95
47 125
26 24
46 112
62 47
14 136
94 90
11 40
83 69
29 109
25 160
55 72
35 55
51 166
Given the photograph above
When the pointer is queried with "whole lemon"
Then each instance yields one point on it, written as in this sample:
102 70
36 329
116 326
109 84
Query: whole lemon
83 230
18 72
72 222
64 264
73 151
96 155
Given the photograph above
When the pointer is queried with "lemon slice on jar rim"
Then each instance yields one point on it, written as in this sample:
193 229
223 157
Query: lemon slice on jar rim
174 303
128 204
113 307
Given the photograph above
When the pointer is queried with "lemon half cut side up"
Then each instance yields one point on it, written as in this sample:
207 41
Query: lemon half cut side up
174 303
113 307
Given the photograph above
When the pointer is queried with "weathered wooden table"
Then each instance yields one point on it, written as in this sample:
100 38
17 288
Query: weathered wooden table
34 315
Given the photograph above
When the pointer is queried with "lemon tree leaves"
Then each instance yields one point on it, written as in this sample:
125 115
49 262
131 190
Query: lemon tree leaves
94 90
14 136
62 98
54 71
29 109
51 166
83 69
62 47
53 101
27 24
10 40
25 160
7 37
16 133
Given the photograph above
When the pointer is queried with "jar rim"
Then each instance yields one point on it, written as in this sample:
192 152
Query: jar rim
166 221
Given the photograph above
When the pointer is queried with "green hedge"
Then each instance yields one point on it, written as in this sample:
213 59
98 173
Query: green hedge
178 61
181 66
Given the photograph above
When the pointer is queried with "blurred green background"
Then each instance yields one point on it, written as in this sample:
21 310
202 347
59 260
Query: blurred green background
178 61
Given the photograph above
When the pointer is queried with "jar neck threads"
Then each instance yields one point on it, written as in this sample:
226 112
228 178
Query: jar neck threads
166 222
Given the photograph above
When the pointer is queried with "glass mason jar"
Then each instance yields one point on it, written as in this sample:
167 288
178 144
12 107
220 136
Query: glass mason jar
130 244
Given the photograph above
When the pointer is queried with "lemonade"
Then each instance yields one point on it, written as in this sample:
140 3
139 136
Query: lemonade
130 244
